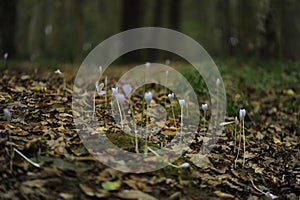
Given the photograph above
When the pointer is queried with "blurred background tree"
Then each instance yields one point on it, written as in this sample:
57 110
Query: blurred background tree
66 30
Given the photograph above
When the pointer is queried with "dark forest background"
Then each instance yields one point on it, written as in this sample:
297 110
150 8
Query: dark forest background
66 30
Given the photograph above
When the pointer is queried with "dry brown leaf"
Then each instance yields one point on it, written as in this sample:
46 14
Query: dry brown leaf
135 194
224 195
277 141
87 190
201 161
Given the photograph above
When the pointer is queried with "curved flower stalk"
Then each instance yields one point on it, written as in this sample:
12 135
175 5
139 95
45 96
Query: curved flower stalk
182 166
267 194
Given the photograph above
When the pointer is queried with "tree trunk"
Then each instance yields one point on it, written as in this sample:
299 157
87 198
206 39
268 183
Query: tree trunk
7 26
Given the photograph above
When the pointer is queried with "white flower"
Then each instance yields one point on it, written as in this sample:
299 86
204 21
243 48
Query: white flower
5 56
100 86
271 196
147 64
57 71
185 165
148 96
121 98
225 123
223 128
204 107
218 82
85 94
127 89
236 120
100 69
171 96
7 114
242 113
168 61
181 102
114 90
167 72
102 92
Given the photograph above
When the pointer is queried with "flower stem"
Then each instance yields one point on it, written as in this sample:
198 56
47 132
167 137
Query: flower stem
244 140
94 106
172 108
27 159
204 118
181 124
240 136
120 112
234 147
146 134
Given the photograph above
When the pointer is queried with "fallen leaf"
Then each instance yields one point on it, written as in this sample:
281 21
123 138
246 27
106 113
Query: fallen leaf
87 190
135 194
289 92
224 195
277 141
111 185
201 161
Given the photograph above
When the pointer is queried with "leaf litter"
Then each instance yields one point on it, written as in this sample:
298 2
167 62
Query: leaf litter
42 129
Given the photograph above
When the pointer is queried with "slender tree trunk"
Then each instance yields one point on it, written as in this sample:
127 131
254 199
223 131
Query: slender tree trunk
175 14
132 17
7 26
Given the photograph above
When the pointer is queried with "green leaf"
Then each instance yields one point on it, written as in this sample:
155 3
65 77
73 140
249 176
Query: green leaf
111 185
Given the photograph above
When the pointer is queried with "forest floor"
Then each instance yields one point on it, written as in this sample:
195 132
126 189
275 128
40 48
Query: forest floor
42 129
